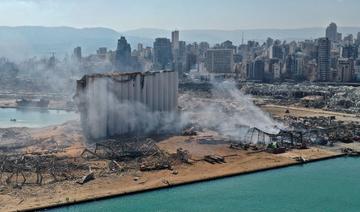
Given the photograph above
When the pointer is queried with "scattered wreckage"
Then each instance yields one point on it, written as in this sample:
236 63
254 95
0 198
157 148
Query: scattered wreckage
332 98
36 169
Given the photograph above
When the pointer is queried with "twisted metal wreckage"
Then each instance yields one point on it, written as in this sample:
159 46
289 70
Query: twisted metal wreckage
143 154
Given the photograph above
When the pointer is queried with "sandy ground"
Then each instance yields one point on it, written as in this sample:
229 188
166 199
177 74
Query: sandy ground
237 162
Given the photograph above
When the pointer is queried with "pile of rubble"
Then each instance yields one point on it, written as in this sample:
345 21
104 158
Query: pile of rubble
333 98
106 157
348 100
122 149
37 169
324 130
135 153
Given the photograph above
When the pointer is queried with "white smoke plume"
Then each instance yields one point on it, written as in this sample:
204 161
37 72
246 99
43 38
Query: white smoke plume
229 112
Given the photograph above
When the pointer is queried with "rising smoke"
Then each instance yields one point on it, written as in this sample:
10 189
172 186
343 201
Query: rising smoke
229 112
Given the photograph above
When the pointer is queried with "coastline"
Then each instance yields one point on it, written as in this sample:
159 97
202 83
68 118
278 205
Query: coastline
54 105
186 183
38 108
176 183
238 162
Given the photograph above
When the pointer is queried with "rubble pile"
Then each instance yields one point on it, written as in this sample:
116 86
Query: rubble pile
39 169
125 149
300 133
324 130
102 159
183 156
135 153
333 98
346 101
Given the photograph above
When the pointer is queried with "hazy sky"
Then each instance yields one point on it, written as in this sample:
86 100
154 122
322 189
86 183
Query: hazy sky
181 14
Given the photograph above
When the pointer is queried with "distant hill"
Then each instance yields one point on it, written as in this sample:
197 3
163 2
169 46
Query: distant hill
217 36
29 41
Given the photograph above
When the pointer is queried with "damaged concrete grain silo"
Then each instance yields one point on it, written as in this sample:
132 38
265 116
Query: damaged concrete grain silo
116 104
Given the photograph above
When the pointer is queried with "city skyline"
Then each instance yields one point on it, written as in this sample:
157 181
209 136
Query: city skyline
201 14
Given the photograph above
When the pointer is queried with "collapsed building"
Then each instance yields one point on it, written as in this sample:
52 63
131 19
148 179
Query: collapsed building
116 104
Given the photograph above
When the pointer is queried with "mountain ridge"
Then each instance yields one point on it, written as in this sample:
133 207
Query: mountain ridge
17 42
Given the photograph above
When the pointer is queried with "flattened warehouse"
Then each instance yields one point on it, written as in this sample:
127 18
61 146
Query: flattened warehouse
124 103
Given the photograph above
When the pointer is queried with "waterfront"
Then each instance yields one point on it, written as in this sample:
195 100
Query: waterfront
34 118
330 185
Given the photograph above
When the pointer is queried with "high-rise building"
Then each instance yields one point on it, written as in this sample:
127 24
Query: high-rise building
191 61
324 70
311 70
295 66
175 38
331 32
140 50
299 65
148 53
290 66
309 48
162 53
123 60
180 58
182 51
348 51
276 71
77 53
227 45
123 47
339 37
344 70
140 47
122 54
219 60
256 70
203 47
193 48
349 39
269 42
274 64
357 70
101 52
277 51
334 56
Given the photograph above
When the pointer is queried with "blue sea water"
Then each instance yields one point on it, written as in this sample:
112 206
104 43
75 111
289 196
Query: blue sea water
34 118
331 185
